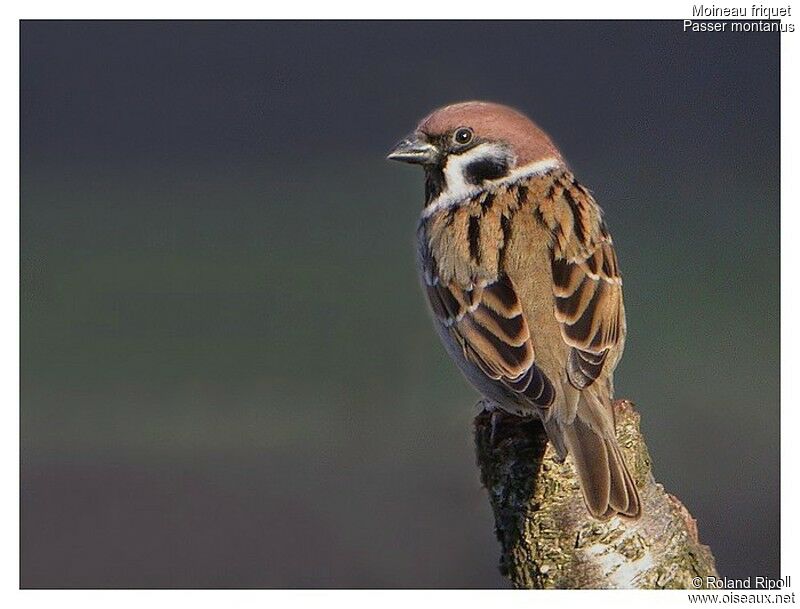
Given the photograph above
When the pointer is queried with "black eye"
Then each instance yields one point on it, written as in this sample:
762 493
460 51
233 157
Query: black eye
462 136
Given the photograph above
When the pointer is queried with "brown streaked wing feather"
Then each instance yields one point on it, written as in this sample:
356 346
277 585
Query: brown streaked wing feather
588 291
505 360
489 324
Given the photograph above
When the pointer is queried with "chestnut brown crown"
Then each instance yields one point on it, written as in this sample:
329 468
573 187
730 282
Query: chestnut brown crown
491 122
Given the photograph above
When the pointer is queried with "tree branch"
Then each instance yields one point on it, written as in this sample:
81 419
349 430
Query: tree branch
547 538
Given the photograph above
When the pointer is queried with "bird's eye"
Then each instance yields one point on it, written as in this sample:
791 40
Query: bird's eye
462 136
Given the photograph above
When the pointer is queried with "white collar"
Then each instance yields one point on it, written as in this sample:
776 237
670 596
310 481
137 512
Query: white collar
450 198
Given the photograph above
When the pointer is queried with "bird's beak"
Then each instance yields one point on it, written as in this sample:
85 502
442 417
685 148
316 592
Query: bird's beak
414 150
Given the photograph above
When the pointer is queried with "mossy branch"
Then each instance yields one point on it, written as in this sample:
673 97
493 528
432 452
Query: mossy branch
547 538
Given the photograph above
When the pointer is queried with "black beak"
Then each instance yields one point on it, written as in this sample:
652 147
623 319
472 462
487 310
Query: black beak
414 150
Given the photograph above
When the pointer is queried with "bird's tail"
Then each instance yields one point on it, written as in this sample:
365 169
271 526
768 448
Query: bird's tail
607 485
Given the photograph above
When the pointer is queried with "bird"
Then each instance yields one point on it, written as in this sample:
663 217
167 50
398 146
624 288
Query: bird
521 275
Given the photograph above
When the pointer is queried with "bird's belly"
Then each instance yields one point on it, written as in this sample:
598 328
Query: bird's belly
495 391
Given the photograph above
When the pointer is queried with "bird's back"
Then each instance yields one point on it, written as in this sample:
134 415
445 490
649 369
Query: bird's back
499 233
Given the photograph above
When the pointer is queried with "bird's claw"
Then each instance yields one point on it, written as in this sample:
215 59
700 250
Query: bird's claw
494 426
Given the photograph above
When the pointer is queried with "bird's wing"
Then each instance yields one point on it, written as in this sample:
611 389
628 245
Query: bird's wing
489 325
587 287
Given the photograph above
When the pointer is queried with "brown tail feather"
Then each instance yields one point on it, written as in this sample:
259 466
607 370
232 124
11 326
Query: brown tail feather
608 488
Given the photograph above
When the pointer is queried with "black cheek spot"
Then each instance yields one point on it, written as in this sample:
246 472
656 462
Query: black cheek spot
486 169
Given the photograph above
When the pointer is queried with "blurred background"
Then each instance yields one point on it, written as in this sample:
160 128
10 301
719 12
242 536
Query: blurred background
229 377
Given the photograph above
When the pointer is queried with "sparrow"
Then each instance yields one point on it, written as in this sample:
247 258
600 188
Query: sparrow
521 275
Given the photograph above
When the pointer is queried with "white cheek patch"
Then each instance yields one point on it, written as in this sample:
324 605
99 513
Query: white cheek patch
458 189
455 170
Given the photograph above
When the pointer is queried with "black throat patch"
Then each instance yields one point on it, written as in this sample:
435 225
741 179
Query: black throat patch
434 182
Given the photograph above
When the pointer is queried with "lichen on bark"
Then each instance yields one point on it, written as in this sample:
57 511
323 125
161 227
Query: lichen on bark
548 539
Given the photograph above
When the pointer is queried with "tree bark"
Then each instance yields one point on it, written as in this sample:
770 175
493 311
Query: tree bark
548 539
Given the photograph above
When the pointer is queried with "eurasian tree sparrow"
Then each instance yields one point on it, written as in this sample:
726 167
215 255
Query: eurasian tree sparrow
521 274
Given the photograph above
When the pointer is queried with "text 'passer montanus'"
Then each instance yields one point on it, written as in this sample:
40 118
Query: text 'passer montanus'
521 274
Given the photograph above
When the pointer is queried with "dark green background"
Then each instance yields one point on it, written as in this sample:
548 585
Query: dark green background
229 377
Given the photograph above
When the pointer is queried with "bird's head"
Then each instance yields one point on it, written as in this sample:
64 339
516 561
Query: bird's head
467 146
